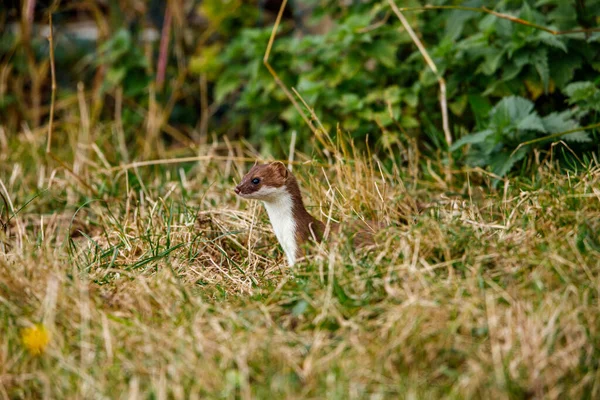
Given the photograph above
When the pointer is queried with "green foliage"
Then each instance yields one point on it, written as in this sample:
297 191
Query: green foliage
368 77
126 64
352 62
585 94
513 122
349 75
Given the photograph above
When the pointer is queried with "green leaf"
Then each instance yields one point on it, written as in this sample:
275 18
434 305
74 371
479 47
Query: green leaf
384 51
594 37
383 118
563 69
562 122
559 122
510 110
351 102
409 122
491 63
114 77
473 138
490 23
578 91
207 61
532 122
519 60
564 13
358 21
136 83
540 62
552 41
459 105
391 94
411 99
306 86
456 22
578 137
118 45
480 106
225 86
502 162
428 78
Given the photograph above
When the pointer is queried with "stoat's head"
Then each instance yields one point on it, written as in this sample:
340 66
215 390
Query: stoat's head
264 182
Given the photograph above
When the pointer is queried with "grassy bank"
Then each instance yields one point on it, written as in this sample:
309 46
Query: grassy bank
157 282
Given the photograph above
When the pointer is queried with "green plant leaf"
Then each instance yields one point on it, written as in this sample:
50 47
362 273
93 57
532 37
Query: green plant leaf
455 23
559 122
114 48
552 41
225 86
351 102
480 106
519 60
578 91
532 122
563 69
391 94
491 62
510 110
502 162
384 52
473 138
459 105
114 77
578 137
409 122
540 62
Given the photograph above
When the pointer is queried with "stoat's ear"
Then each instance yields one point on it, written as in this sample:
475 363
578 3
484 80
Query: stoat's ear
280 168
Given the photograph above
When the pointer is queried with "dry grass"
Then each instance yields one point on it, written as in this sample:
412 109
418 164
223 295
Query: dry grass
163 284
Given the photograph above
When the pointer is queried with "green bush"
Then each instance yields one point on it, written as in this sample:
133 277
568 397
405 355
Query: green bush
512 123
366 75
363 75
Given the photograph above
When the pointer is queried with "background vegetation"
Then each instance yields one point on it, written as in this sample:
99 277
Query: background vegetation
197 67
129 269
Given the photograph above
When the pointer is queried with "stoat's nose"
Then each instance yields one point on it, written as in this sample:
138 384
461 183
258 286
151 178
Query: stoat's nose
237 190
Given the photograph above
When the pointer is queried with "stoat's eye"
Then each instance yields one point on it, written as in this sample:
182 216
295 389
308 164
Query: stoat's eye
255 181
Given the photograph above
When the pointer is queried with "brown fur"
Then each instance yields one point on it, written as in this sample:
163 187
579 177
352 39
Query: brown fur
307 225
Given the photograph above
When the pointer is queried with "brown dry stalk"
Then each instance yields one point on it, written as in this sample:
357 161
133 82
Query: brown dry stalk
164 49
321 131
199 158
432 66
555 135
503 16
53 91
204 112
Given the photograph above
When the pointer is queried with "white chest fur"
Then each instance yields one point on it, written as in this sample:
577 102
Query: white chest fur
279 208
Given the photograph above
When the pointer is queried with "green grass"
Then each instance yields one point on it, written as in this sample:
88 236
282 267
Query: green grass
160 283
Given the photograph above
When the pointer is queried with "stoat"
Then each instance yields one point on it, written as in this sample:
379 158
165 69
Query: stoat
278 189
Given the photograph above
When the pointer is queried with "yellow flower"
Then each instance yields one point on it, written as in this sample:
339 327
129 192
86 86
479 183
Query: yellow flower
35 339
